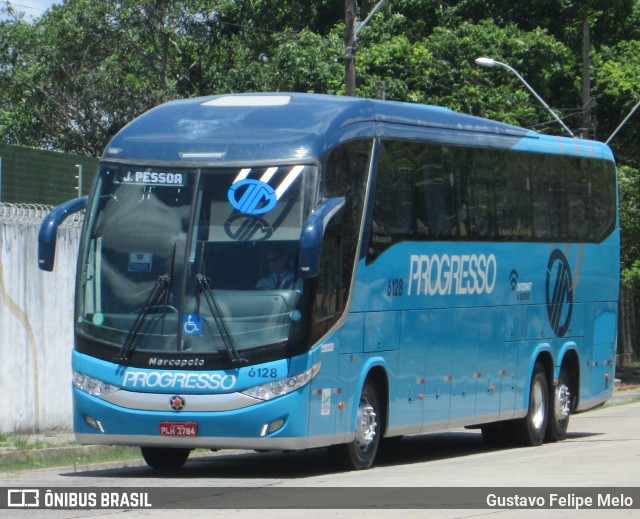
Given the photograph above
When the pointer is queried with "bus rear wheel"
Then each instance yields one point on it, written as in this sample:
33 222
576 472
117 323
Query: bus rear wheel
531 429
561 406
361 452
165 458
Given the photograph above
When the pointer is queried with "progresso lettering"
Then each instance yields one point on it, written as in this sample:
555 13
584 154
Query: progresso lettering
169 380
463 274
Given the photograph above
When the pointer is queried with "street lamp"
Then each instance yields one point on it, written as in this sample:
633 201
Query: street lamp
623 122
490 63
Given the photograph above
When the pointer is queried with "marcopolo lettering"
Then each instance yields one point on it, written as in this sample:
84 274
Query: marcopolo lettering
457 274
176 363
170 380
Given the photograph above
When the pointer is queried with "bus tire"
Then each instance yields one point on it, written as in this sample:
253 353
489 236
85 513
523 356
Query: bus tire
361 452
531 429
561 405
165 458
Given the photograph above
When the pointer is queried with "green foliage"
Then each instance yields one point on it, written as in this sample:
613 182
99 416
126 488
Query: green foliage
617 87
81 71
629 193
440 70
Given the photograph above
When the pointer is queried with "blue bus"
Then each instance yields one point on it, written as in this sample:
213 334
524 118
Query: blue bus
293 271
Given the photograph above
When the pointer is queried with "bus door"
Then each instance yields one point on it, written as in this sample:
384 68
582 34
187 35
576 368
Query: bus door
467 340
406 410
438 338
506 373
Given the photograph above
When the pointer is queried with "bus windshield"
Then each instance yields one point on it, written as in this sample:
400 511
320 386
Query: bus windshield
196 261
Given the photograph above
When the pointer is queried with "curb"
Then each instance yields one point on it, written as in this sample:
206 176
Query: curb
51 452
624 395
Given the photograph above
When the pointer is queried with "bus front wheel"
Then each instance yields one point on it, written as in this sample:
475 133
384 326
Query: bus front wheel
531 429
165 458
361 452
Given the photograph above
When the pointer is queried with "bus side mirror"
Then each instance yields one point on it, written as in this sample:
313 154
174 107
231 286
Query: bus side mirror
313 233
49 229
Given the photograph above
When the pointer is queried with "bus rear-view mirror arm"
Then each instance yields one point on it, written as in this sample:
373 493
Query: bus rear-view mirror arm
49 230
313 233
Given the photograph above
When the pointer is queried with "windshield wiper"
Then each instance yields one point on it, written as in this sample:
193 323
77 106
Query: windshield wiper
159 288
203 284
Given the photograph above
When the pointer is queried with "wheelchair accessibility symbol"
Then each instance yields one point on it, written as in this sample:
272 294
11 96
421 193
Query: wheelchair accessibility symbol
192 324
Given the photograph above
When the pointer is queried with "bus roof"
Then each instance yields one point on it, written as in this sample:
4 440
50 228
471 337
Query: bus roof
285 126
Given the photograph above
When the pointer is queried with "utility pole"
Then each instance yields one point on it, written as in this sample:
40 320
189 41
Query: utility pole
587 124
351 31
350 48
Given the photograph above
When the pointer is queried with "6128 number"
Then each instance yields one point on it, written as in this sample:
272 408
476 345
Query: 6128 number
263 372
394 287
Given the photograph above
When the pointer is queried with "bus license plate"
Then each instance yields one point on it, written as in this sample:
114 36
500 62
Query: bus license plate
189 429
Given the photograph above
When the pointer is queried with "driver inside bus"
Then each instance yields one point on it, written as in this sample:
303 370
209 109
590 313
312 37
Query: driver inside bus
281 276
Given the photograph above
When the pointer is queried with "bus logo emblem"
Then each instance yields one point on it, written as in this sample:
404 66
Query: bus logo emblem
257 197
247 228
177 403
559 292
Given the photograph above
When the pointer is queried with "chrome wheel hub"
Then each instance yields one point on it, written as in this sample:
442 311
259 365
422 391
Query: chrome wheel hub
563 402
366 424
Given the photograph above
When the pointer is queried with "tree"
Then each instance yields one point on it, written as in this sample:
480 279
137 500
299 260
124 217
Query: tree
440 70
617 87
84 69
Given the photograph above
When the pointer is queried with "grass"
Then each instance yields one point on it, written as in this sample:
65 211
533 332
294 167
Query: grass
70 459
23 443
20 453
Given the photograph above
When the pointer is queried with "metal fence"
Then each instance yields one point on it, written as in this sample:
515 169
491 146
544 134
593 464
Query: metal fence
35 176
33 214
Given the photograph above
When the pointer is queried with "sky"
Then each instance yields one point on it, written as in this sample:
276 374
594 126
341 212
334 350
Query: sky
32 8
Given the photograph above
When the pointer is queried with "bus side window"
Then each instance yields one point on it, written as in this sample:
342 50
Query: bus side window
602 192
480 184
393 207
577 201
513 189
435 192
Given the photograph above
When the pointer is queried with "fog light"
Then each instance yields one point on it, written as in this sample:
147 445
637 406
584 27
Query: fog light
93 423
270 428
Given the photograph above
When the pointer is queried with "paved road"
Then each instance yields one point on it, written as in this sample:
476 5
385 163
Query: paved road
602 450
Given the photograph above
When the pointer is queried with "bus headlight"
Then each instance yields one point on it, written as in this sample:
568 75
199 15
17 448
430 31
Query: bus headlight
272 390
93 386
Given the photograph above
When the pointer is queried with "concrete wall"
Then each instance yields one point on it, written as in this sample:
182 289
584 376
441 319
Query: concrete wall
36 334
